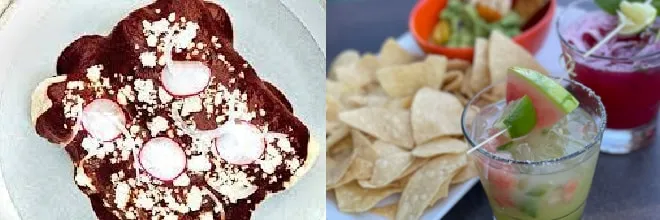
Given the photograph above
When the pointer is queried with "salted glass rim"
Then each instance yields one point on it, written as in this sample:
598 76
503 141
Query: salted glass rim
592 143
573 48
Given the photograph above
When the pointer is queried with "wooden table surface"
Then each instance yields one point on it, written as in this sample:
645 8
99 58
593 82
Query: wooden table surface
624 186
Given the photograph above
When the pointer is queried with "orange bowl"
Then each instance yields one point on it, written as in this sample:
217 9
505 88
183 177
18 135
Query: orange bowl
425 15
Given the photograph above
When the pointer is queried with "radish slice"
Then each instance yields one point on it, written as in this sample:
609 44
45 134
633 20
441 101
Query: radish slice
102 118
163 158
185 78
239 143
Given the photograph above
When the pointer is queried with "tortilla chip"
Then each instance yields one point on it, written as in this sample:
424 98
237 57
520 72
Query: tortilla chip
457 64
437 68
424 185
333 137
442 193
353 198
435 114
364 146
388 211
400 103
504 53
480 76
373 100
345 58
438 147
384 148
405 80
467 172
360 169
332 108
466 89
391 54
387 169
338 89
360 73
343 160
416 164
332 126
343 144
453 80
387 124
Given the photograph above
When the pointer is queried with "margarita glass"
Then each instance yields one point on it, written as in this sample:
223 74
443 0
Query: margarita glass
548 174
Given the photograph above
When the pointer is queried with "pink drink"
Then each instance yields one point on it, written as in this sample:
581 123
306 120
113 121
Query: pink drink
625 72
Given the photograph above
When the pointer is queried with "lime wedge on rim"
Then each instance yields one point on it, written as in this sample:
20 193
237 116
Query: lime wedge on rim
519 117
636 15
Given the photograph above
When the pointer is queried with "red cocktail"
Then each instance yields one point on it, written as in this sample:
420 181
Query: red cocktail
624 72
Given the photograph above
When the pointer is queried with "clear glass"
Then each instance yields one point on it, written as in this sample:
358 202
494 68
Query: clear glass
628 85
556 188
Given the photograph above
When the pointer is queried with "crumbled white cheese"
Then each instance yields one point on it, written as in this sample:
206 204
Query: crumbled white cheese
206 216
182 180
164 96
122 191
143 201
148 59
199 163
190 105
82 179
94 72
292 165
152 40
284 145
194 198
272 159
233 184
158 124
145 91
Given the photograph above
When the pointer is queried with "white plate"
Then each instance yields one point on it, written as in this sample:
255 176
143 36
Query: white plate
436 212
38 175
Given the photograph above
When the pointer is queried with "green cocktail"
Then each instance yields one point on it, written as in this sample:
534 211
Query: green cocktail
547 173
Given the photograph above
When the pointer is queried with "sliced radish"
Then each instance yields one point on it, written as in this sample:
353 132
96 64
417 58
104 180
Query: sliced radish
102 118
239 143
185 78
163 158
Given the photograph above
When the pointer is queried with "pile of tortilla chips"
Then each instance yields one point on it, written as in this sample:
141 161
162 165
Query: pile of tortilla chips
394 123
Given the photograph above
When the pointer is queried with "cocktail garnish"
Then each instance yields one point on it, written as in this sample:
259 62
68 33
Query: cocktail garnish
633 18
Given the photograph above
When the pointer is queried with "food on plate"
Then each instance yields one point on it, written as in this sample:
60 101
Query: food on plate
544 167
163 119
528 8
393 119
504 53
460 23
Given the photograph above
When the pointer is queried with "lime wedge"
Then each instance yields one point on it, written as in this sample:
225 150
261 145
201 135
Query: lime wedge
519 117
636 15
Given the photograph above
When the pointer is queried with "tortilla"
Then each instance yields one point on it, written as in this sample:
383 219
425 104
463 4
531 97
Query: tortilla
435 114
504 53
387 169
480 78
345 58
391 54
425 184
353 198
359 73
387 124
388 211
438 147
